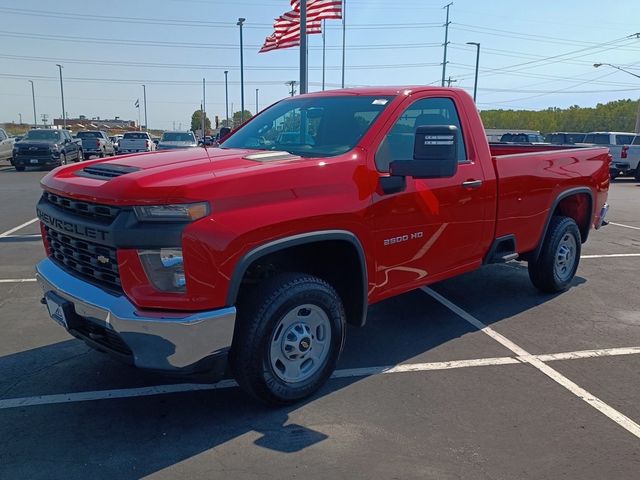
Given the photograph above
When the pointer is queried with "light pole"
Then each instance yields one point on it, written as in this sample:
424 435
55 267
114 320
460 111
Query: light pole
240 22
64 114
257 101
596 65
226 94
475 83
144 96
33 96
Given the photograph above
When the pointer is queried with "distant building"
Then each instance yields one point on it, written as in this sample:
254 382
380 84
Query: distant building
96 123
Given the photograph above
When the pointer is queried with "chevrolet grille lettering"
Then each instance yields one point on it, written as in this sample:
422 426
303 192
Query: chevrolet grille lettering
72 228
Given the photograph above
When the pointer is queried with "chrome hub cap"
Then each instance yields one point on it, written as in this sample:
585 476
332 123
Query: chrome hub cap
565 257
300 343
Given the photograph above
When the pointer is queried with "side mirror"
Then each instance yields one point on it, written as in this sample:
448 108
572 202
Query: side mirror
435 154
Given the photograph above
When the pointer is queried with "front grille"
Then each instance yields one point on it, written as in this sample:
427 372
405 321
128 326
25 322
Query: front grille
33 150
101 335
105 171
86 209
97 263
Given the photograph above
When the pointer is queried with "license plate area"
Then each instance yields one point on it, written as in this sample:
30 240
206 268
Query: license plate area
34 161
60 310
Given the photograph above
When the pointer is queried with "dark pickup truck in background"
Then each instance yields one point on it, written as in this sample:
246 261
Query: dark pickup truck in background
46 148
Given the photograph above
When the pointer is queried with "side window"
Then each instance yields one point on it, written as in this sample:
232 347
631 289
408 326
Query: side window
624 139
398 143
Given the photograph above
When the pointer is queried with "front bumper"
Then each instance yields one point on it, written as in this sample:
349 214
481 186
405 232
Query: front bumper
34 161
167 341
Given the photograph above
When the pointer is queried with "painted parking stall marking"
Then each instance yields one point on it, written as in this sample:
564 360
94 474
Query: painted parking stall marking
343 373
19 227
533 360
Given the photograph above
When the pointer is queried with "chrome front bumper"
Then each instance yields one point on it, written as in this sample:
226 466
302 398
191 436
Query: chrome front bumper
158 340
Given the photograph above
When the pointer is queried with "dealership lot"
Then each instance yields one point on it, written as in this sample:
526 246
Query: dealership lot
480 377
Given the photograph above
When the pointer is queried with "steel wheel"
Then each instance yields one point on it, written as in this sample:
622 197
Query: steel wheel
565 257
300 343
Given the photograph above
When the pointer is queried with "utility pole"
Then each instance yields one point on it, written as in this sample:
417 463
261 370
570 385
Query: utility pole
303 47
450 81
144 95
33 96
475 83
204 109
64 114
257 101
226 94
20 115
292 84
446 43
240 23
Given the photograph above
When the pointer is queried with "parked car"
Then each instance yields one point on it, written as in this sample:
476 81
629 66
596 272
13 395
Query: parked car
171 140
46 148
522 138
618 143
6 145
260 255
96 142
134 142
564 138
115 140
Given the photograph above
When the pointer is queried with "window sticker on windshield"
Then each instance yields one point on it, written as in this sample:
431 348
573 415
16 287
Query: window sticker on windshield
380 101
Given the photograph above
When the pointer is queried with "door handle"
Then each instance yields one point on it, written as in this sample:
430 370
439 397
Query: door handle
472 184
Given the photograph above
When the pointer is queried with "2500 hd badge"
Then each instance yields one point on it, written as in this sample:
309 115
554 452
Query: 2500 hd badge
65 226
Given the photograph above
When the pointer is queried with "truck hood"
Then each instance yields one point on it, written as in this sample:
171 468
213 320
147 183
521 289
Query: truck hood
163 176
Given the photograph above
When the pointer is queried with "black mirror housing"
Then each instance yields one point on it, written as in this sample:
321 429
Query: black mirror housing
435 154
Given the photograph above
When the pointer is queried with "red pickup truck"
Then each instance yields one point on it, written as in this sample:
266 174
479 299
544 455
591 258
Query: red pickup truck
250 258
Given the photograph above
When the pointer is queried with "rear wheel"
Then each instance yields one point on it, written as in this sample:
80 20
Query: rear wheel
637 175
19 168
556 266
288 338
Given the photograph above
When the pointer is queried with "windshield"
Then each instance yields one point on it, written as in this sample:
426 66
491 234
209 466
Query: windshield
311 127
42 135
177 137
89 135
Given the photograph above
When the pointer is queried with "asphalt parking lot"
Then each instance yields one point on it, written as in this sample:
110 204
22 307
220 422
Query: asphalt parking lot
478 377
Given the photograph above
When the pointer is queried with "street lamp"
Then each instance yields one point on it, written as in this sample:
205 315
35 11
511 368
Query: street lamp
596 65
144 96
240 23
475 83
226 94
64 114
33 96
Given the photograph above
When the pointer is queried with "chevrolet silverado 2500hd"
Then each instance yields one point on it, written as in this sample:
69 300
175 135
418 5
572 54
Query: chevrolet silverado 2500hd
259 252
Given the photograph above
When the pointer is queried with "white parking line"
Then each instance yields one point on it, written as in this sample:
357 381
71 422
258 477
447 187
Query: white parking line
15 229
343 373
624 226
619 418
27 235
611 255
17 280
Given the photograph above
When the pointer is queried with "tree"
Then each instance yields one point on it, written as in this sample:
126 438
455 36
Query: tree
196 121
236 117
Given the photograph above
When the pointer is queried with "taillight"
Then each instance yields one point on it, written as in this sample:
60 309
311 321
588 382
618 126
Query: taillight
97 143
146 143
625 150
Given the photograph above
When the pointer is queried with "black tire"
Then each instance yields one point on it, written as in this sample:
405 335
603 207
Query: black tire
548 273
637 174
63 159
260 313
101 155
80 156
19 168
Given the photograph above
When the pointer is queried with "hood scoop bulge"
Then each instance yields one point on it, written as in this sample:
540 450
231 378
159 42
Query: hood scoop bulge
103 171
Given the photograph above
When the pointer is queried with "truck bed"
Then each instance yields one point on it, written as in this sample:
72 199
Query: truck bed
530 177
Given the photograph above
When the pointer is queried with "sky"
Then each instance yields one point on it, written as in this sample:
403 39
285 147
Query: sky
533 55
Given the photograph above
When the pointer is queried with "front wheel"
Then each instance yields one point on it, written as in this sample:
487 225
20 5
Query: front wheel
556 266
637 174
289 335
19 168
63 159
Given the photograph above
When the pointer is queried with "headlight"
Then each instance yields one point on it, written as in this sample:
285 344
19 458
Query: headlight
54 147
164 268
185 212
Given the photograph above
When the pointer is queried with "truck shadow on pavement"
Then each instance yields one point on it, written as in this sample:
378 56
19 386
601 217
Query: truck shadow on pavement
133 437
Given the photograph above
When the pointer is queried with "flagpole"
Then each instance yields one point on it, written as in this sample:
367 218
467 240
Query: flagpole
344 28
303 46
323 51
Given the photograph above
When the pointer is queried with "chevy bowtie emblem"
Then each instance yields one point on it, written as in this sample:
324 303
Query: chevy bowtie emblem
103 260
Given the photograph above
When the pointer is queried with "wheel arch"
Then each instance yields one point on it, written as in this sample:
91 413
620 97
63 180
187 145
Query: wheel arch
570 203
345 249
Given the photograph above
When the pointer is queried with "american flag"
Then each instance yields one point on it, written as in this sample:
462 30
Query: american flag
287 26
